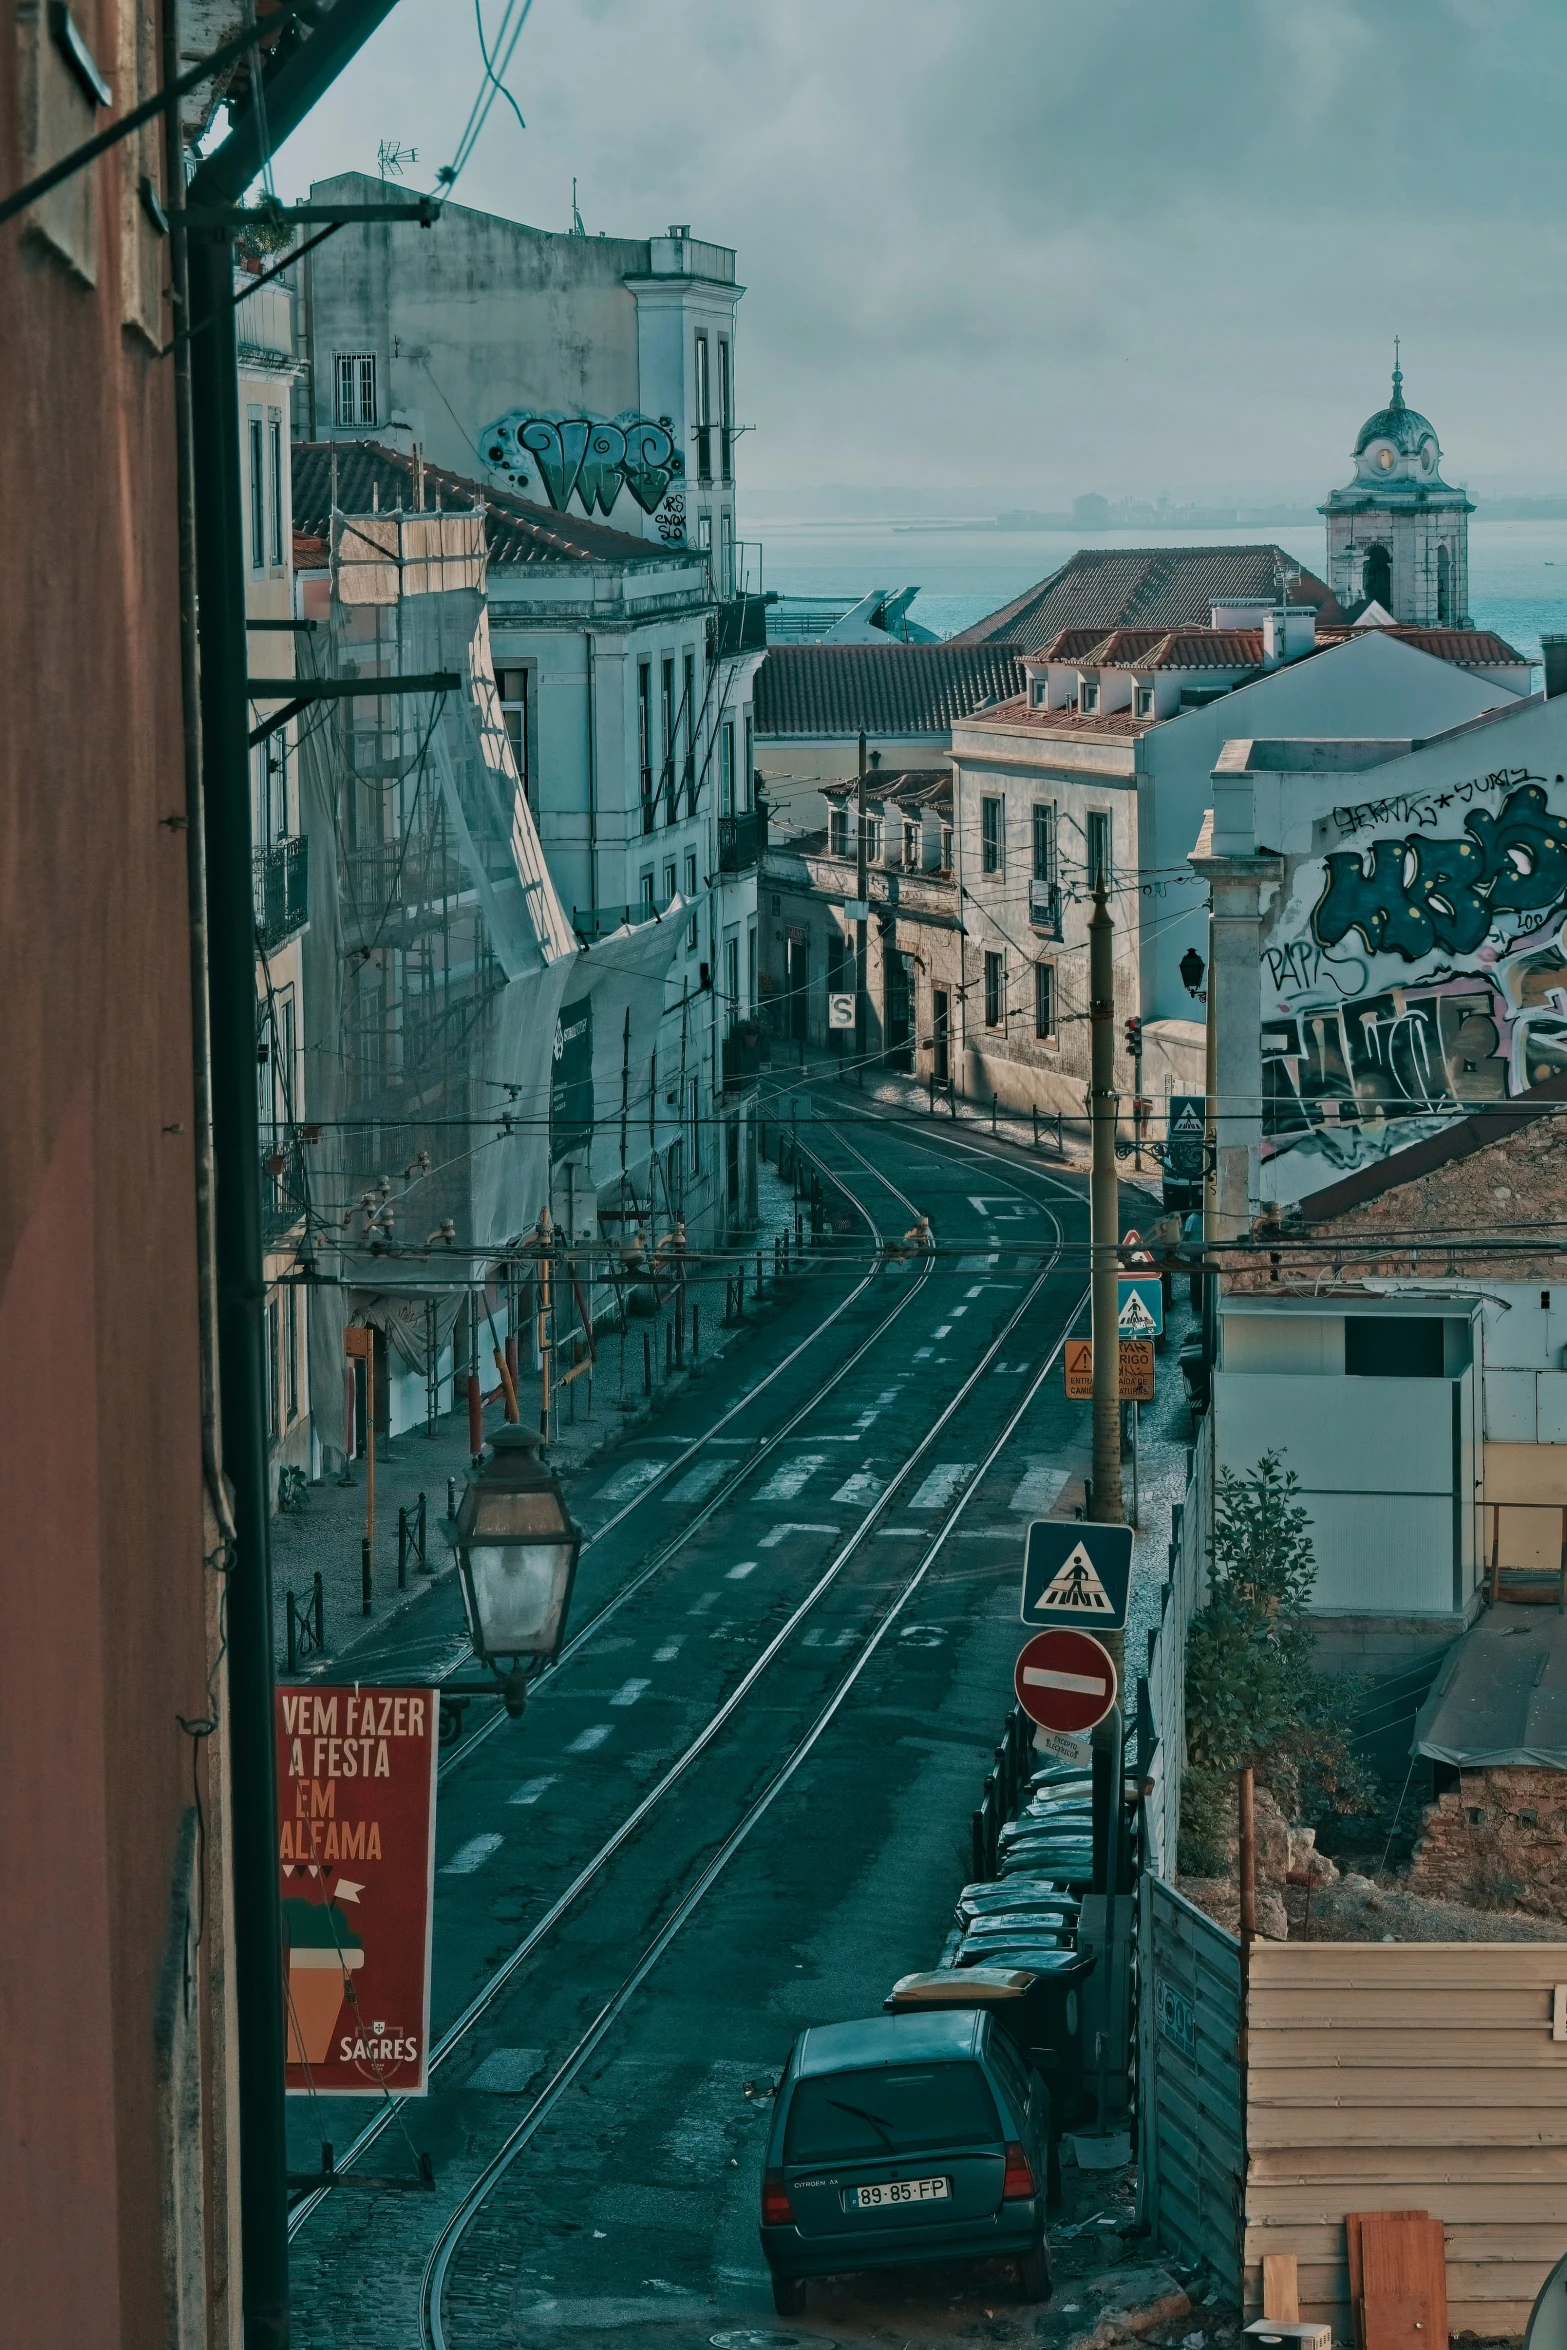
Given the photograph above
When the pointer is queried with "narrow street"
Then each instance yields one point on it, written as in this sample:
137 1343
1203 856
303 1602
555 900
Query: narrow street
738 1805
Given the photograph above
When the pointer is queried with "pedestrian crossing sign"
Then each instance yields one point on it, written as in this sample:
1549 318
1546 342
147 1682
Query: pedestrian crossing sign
1075 1573
1142 1306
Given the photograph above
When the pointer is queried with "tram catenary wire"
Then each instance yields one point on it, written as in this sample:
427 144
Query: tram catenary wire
457 2032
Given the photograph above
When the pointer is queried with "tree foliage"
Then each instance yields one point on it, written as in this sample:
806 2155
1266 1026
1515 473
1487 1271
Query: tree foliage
1253 1695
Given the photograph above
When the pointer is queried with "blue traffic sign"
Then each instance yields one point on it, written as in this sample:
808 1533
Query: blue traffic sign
1075 1573
1142 1306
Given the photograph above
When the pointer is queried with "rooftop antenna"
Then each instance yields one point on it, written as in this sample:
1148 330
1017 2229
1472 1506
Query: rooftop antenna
577 228
390 158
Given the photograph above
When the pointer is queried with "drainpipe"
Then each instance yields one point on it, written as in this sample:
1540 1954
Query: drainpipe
593 770
231 937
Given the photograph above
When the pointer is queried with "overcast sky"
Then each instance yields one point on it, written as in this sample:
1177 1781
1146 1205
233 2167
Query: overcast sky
1043 246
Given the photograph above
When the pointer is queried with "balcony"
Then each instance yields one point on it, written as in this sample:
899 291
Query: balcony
742 841
738 626
1044 907
281 880
744 1050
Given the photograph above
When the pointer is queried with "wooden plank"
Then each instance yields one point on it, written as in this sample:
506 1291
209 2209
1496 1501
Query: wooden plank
1419 2166
1458 2126
1402 2282
1280 2288
1336 1966
1526 2042
1399 2006
1459 2203
1351 2086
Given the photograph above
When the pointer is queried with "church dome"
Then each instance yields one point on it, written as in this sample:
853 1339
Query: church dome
1398 440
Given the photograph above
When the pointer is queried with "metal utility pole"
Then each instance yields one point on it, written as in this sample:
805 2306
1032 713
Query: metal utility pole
862 882
1104 1215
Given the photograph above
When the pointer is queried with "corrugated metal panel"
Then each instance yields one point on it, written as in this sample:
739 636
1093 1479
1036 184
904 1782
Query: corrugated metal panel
1167 1663
1406 2076
1190 2115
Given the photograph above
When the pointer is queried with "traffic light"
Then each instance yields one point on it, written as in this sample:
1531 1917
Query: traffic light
1134 1037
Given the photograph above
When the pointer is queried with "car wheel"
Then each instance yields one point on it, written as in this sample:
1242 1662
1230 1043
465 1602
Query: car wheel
1033 2273
789 2296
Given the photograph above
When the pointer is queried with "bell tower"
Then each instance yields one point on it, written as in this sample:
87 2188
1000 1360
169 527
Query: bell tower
1398 534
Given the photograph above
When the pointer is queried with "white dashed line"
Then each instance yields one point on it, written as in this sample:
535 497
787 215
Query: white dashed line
707 1600
586 1740
629 1692
945 1331
943 1484
472 1855
772 1540
667 1654
786 1482
739 1573
864 1485
699 1482
532 1789
631 1480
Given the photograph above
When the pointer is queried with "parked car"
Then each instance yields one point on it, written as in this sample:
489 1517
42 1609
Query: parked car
903 2139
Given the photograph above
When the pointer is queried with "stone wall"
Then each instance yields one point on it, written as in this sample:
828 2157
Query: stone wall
1497 1841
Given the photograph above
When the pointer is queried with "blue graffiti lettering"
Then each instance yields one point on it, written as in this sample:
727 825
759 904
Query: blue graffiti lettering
1421 894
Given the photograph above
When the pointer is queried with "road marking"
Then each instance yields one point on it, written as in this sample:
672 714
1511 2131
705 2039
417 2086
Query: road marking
739 1573
791 1526
942 1486
987 1534
999 1208
864 1485
532 1789
631 1480
472 1855
699 1482
707 1600
922 1353
786 1482
958 1312
945 1331
1037 1491
630 1691
888 1533
586 1740
822 1638
667 1654
977 1264
978 1290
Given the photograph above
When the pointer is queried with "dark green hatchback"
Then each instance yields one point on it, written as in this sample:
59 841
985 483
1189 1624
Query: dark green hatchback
901 2139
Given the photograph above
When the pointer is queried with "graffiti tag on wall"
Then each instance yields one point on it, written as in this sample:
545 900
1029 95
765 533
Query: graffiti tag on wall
1428 978
591 458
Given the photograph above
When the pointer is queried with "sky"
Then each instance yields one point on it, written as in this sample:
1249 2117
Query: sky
1034 247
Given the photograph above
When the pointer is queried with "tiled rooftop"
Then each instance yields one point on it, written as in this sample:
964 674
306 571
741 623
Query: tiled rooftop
890 689
1126 587
516 531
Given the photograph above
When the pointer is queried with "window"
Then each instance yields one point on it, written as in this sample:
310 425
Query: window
838 832
356 402
1395 1346
513 684
669 882
1142 701
1044 842
691 895
990 836
704 414
704 533
291 1348
886 2113
1090 698
911 843
666 780
994 981
1099 847
275 454
1044 1000
283 1112
1040 693
726 438
274 1368
648 903
750 969
696 1129
873 840
726 768
748 778
946 848
689 698
726 553
258 494
645 739
732 973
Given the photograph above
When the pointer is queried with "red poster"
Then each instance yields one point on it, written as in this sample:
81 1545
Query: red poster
356 1852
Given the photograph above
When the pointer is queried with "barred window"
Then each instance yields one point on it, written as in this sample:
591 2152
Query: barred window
1044 1000
356 389
994 989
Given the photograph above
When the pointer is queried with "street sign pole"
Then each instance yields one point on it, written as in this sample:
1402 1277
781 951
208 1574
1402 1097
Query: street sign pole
862 885
1104 1216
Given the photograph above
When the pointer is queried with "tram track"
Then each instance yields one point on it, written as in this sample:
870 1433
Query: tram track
484 1999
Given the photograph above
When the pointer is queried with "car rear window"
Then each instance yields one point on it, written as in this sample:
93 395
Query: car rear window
892 2109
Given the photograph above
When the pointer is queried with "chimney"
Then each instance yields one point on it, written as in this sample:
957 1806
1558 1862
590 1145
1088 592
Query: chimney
1554 648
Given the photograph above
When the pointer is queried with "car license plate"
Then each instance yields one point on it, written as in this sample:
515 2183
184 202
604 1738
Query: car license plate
887 2192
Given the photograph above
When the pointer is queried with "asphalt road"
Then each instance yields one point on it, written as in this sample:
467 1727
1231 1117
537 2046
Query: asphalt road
739 1805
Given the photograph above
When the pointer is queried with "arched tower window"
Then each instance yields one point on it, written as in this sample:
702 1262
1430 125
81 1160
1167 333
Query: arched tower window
1379 577
1444 588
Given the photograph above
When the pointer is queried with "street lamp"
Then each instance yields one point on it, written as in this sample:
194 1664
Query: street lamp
1192 968
516 1558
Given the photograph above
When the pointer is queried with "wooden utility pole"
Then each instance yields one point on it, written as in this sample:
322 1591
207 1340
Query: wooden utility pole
1104 1214
862 882
1246 1861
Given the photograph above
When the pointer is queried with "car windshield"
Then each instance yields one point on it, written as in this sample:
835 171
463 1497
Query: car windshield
890 2110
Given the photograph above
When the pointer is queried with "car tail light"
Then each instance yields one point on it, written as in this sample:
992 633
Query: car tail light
778 2211
1018 2185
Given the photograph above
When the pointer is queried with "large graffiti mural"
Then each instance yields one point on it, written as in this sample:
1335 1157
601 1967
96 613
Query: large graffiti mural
1414 976
593 459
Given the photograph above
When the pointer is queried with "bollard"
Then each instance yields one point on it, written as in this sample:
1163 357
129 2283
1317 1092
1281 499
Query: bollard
647 1362
451 1498
1033 1111
669 1348
402 1549
475 1415
364 1575
425 1567
992 1113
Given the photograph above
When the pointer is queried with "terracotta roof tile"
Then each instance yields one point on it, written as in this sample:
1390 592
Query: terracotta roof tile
891 689
1465 646
516 531
1018 713
1164 587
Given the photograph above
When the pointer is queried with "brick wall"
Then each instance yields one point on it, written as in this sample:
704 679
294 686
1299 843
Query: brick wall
1497 1841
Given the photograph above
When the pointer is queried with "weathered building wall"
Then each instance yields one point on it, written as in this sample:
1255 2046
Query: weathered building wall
1497 1841
106 1596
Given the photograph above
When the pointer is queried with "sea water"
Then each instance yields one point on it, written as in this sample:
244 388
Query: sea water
966 571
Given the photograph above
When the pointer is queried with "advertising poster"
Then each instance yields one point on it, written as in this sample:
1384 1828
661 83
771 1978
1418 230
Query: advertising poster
356 1860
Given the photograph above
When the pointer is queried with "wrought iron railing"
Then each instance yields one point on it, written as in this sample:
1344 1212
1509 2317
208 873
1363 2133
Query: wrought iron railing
742 841
1044 907
281 877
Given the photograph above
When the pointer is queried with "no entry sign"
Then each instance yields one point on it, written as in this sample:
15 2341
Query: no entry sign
356 1855
1065 1680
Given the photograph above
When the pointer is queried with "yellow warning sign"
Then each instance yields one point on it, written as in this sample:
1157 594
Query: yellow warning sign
1136 1370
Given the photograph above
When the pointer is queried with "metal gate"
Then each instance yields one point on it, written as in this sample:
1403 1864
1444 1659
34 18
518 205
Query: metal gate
1191 2092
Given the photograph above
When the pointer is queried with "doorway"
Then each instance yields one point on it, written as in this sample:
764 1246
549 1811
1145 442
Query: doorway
1379 577
898 990
799 975
940 1033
